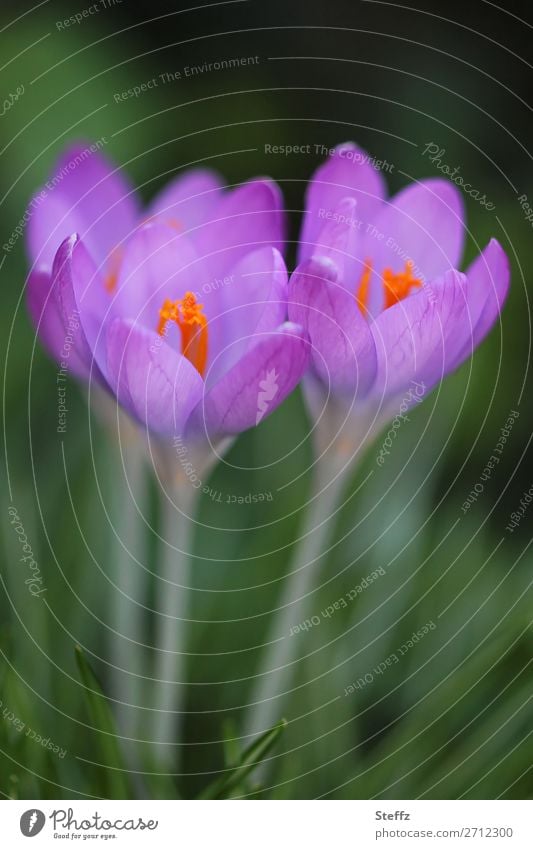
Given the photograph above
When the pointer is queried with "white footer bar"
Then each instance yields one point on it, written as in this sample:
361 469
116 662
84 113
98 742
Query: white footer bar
263 825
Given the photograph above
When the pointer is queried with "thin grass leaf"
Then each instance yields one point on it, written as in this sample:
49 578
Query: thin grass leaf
232 752
251 757
114 780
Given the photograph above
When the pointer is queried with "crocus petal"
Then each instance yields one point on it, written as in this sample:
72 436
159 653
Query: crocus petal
346 173
487 286
252 299
85 195
159 262
76 289
155 383
339 240
342 347
424 223
256 385
419 339
189 199
44 312
246 219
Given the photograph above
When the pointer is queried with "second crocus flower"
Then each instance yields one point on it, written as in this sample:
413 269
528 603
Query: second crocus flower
378 288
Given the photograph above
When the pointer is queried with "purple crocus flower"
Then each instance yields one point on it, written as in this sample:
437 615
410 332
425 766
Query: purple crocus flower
179 310
377 287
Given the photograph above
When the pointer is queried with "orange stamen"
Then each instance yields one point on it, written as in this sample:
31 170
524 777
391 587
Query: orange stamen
363 288
398 286
113 269
189 317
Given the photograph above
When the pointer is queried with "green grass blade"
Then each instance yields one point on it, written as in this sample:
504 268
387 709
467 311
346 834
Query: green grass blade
114 780
251 757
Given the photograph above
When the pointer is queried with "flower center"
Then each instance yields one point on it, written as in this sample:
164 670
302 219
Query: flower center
188 314
396 285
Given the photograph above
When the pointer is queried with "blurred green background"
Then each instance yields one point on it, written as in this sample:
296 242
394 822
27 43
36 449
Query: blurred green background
453 719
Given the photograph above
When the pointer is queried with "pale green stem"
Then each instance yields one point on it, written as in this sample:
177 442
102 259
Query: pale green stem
298 600
126 649
172 597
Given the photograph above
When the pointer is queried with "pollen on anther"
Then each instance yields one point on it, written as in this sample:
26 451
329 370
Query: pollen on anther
396 286
188 315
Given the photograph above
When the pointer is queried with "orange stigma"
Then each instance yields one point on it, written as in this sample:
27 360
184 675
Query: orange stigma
398 286
363 288
189 316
